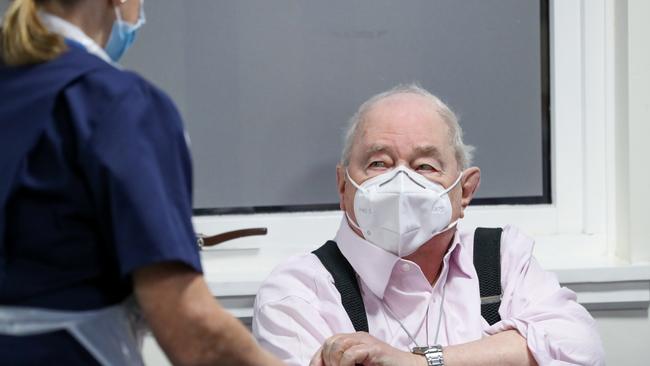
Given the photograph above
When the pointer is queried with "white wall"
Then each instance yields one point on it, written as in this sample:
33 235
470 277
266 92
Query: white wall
638 68
626 336
626 333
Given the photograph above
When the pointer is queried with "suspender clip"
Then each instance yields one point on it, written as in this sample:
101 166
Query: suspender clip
491 299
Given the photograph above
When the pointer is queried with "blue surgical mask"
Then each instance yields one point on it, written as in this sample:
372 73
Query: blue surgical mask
123 34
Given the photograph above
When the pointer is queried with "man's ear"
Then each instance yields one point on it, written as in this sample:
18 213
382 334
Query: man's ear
469 183
340 185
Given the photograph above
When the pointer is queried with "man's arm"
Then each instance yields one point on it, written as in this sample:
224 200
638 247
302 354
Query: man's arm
556 327
503 349
189 324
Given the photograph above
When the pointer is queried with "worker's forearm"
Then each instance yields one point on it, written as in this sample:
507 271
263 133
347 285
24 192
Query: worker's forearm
189 324
211 336
502 349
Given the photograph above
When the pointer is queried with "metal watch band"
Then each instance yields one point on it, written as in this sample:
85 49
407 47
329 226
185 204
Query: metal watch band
433 354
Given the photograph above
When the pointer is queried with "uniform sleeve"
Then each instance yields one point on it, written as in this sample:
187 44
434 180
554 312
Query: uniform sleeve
139 170
296 309
558 330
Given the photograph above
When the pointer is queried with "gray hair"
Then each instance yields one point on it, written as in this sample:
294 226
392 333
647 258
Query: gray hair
463 152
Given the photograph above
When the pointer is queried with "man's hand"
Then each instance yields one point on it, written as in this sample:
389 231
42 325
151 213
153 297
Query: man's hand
362 348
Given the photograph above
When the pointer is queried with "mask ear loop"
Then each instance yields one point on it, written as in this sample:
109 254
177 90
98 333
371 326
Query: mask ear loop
350 221
347 174
141 17
118 19
453 185
451 224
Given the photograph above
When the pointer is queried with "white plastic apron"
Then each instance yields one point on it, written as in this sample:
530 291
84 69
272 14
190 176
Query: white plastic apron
112 335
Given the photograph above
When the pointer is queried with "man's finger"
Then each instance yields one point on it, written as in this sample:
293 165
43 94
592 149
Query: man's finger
328 346
339 347
357 354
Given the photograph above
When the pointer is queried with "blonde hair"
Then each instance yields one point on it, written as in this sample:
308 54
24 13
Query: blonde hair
23 38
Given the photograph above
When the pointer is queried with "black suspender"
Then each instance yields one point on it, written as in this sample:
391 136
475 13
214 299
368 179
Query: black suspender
487 261
345 280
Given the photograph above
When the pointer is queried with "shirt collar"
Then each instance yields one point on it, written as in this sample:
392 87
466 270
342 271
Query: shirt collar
366 258
68 30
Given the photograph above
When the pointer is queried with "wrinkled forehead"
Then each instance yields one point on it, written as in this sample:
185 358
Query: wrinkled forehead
410 117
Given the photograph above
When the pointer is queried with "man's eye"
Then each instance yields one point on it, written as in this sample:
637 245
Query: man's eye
426 168
377 164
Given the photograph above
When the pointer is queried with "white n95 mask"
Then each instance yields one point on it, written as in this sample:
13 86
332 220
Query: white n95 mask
400 210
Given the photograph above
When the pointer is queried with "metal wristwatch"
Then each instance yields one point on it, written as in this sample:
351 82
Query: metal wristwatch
433 354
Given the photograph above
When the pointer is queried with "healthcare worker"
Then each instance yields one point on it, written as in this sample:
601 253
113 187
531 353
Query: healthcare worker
95 200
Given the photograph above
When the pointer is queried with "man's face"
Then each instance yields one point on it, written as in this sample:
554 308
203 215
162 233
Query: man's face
403 129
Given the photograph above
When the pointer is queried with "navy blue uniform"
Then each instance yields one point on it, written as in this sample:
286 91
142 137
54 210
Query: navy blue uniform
95 182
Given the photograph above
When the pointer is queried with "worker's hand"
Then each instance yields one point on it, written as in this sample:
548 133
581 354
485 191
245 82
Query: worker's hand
362 348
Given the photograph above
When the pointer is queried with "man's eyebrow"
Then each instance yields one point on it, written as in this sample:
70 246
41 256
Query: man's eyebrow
375 148
428 150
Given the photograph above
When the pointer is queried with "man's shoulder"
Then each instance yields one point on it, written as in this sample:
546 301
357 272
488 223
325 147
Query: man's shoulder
516 250
513 240
300 276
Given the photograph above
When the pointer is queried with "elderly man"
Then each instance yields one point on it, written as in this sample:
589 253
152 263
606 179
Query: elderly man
417 291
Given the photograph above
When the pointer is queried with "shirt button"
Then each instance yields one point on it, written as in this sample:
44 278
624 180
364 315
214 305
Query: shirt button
406 267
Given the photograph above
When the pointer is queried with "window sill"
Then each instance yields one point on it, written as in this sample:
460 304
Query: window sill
600 282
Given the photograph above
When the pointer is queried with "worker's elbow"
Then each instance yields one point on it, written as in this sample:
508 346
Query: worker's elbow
191 338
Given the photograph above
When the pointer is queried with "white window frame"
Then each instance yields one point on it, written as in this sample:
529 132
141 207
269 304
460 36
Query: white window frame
589 203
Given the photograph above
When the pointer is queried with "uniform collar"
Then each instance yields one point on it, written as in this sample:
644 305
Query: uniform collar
372 264
70 31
